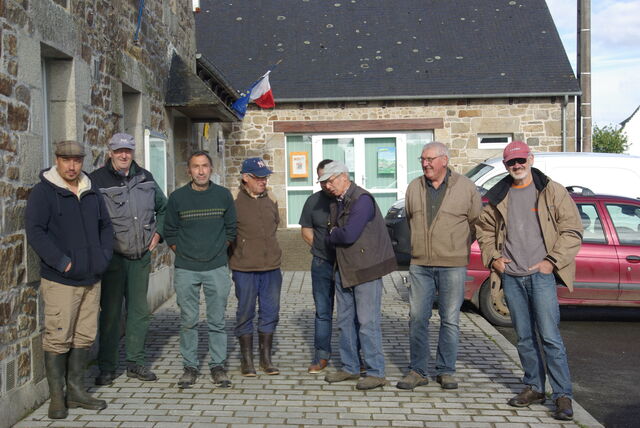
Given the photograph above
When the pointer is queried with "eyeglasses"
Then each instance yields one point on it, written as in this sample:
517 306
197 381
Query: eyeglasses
258 178
512 162
428 160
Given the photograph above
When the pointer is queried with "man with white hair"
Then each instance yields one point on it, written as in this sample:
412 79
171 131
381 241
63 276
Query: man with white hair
442 207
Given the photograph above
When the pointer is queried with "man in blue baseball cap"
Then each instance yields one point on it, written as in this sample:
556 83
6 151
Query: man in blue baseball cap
255 264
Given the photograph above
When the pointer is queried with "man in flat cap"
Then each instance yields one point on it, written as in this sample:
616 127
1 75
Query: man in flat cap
255 263
137 207
68 226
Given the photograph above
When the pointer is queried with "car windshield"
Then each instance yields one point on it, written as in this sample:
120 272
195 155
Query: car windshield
478 171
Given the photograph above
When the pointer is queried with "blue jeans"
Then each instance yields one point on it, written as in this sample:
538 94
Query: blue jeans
323 294
360 305
533 304
216 285
426 281
263 287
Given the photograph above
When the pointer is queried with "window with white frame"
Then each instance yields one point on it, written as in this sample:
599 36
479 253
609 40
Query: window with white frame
494 141
383 163
155 157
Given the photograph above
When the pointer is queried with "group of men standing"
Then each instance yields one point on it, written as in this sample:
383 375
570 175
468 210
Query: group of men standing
529 233
95 234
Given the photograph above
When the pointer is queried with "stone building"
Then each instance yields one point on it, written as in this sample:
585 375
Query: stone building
83 70
370 82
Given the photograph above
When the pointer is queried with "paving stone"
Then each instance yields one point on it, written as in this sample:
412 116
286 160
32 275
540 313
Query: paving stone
488 376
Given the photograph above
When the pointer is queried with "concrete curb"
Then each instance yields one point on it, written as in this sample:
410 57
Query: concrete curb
581 416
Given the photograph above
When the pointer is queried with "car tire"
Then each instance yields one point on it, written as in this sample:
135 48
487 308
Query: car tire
496 313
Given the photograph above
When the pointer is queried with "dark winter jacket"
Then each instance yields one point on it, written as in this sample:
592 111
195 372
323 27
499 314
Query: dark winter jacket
63 228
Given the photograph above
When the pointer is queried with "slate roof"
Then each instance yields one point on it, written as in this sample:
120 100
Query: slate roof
387 49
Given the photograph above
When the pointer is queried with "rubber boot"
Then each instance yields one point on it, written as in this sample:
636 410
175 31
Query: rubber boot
76 392
265 340
56 367
246 355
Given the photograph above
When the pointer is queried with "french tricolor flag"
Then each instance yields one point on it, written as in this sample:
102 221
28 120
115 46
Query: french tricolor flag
260 93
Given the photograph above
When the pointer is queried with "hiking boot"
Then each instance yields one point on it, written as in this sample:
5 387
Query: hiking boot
319 366
105 378
527 397
246 355
564 410
371 382
411 380
219 377
141 372
188 377
341 376
447 381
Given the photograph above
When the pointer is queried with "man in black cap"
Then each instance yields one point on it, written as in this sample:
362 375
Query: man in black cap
68 226
255 263
137 208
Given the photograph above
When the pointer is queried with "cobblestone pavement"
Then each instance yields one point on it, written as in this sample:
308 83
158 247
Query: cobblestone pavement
487 370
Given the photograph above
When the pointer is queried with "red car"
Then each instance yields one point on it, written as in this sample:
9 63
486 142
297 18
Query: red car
607 266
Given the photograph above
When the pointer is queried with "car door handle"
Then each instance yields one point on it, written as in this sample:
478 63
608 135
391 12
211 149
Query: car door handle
633 259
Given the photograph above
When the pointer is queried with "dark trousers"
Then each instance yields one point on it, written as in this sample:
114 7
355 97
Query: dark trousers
263 287
129 280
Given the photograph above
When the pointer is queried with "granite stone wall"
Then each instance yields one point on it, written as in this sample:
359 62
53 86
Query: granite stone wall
534 120
93 62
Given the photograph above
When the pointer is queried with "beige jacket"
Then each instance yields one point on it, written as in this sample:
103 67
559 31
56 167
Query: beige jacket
559 220
447 242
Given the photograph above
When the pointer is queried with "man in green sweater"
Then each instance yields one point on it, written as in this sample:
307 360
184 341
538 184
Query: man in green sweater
199 226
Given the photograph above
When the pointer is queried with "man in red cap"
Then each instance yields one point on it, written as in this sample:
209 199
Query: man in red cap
529 234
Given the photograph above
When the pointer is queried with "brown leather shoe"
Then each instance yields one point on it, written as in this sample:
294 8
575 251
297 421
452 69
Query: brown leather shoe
371 382
341 376
564 410
527 397
447 381
411 380
318 367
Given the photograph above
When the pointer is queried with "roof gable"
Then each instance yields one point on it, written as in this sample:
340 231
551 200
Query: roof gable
382 49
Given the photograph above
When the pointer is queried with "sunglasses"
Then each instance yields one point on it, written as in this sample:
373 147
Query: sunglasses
512 162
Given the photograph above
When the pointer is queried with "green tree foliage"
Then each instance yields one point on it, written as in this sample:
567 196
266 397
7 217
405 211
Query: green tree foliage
608 139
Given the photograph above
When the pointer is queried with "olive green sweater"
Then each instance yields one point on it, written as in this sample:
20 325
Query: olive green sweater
200 225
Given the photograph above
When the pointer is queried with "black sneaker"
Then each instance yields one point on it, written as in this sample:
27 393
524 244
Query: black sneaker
141 372
219 377
105 378
188 377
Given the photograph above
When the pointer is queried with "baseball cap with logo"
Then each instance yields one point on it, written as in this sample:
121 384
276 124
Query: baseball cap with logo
69 148
515 150
255 166
122 141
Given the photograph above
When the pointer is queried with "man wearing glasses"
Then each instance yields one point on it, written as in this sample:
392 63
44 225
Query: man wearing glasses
255 263
442 207
529 235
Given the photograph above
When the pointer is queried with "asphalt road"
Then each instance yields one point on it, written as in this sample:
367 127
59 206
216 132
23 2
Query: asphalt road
603 346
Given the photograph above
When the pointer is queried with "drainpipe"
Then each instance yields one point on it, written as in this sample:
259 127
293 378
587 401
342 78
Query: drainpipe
563 111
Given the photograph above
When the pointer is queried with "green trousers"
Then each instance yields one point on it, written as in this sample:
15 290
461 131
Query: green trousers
129 280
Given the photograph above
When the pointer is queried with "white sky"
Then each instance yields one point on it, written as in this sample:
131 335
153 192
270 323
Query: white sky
615 54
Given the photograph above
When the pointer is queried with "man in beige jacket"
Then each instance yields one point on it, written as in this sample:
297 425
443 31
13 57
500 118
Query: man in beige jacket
529 234
442 207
